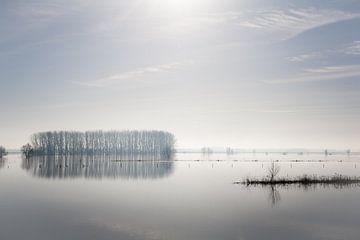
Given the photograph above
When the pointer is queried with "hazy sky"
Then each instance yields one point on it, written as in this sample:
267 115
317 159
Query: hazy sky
239 73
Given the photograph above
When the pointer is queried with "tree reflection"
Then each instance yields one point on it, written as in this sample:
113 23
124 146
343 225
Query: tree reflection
274 196
99 167
2 162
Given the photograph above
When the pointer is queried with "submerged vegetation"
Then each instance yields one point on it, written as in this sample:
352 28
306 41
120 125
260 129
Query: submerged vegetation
101 143
2 151
336 179
305 180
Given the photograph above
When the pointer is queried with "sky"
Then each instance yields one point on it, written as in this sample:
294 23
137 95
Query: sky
237 73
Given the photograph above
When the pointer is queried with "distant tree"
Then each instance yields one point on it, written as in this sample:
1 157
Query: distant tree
229 151
27 150
206 150
348 152
273 171
2 151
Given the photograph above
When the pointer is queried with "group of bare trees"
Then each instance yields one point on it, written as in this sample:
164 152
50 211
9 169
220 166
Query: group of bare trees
2 151
102 142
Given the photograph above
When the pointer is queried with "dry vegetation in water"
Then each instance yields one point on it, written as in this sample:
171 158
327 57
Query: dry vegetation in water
305 180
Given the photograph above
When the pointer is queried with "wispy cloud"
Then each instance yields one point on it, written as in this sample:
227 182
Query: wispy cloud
280 24
322 74
266 25
292 22
353 49
137 74
111 19
305 57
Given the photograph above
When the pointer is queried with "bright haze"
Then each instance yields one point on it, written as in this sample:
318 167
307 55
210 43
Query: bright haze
247 74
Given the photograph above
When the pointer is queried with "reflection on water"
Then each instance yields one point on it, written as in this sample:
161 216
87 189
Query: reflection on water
98 167
198 201
274 195
274 191
2 162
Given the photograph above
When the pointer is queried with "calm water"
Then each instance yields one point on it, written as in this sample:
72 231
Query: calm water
94 198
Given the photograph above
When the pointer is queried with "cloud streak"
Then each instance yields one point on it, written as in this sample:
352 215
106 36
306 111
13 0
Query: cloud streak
292 22
280 24
305 57
322 74
349 49
137 74
353 49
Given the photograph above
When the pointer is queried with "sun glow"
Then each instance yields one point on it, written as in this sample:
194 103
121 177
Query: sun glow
180 5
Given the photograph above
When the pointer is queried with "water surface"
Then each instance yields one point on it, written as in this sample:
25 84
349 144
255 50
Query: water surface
95 198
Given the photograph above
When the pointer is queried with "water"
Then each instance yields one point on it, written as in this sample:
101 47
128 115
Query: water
181 200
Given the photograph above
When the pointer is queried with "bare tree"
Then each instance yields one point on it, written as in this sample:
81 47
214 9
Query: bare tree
206 150
348 152
2 151
273 171
229 151
27 150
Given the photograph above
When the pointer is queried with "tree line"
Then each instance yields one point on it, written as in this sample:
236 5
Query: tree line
101 142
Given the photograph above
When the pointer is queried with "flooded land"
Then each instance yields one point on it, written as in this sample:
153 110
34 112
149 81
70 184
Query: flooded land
188 196
179 120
